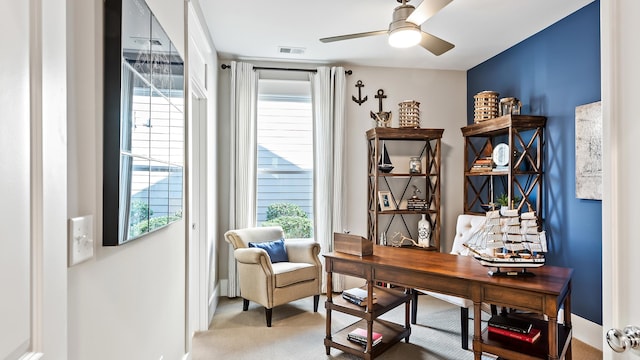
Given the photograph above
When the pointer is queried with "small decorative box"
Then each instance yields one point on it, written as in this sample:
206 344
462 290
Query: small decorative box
352 244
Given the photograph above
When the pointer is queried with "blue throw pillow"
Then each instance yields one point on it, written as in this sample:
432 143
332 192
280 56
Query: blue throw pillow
276 250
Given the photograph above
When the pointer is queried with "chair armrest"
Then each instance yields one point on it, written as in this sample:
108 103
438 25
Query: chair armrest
303 251
254 256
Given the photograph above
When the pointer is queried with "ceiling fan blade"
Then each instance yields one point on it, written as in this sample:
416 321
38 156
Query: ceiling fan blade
353 36
425 10
434 44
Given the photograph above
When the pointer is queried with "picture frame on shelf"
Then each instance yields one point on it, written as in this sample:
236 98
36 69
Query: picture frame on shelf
385 200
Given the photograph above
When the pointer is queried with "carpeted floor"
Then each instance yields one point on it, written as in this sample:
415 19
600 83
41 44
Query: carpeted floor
298 333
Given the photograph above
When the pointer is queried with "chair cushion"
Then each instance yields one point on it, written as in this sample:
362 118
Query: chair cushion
288 273
276 250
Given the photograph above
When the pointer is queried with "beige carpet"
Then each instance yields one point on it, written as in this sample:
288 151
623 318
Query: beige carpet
298 333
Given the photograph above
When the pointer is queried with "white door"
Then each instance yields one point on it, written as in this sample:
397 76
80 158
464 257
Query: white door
621 193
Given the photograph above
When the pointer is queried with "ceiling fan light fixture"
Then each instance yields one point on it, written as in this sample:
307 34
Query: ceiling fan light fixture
404 37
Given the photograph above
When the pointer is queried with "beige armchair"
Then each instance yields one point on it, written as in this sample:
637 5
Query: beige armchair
272 284
466 226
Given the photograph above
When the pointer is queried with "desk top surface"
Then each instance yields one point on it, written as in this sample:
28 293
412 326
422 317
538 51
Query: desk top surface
548 279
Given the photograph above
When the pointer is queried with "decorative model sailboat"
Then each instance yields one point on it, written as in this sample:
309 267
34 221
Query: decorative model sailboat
509 240
384 164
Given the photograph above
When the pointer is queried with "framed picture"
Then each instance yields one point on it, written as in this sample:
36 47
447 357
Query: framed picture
385 200
589 151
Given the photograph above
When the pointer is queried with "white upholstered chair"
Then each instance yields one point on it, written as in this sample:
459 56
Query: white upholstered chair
466 226
275 283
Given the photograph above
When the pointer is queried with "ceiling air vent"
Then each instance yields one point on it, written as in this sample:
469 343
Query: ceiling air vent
144 41
290 50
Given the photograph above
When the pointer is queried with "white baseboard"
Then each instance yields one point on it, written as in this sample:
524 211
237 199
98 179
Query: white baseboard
223 285
213 301
586 331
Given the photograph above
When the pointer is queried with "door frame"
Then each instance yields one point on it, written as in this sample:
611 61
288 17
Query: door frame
618 190
197 226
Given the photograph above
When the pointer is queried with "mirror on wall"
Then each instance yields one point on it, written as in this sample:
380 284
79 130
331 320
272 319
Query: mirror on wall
143 124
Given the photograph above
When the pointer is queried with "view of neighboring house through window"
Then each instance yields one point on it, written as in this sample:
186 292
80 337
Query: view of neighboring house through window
285 157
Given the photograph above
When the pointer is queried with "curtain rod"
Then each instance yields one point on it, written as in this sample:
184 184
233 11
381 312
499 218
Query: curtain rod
225 66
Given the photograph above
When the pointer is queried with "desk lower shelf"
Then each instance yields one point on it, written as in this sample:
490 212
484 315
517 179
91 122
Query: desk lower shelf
516 349
392 333
387 299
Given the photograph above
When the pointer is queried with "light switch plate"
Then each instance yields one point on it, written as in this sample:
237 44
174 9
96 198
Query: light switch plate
80 239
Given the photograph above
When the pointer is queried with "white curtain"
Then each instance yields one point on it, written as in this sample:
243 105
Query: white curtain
242 197
328 87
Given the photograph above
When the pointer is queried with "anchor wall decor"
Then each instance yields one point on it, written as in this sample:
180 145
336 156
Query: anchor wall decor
360 99
382 118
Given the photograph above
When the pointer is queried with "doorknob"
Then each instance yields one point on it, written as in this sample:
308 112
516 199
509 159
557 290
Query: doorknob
621 340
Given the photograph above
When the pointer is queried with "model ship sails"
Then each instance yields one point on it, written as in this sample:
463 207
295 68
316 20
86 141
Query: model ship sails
509 240
384 164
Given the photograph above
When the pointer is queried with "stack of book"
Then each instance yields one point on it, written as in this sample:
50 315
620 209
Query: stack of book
482 164
360 336
417 204
513 328
357 296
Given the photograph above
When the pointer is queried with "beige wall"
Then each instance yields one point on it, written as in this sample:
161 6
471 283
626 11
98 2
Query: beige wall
442 97
442 105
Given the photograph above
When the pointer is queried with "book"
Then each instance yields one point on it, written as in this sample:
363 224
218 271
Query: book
531 337
359 335
511 324
357 296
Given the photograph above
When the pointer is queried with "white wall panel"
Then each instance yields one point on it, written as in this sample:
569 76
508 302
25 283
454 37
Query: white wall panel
15 263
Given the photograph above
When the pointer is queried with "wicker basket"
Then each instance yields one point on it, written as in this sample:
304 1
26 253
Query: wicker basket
485 106
409 114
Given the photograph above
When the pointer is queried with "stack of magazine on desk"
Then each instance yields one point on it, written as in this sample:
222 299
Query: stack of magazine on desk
357 296
513 328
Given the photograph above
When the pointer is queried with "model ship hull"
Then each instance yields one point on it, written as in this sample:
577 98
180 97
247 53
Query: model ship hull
511 262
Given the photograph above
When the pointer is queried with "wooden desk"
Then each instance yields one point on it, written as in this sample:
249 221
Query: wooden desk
463 276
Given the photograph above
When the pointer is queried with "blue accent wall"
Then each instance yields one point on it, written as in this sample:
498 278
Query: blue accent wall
552 72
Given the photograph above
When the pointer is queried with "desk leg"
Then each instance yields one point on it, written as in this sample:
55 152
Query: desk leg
567 322
328 320
477 330
369 346
553 336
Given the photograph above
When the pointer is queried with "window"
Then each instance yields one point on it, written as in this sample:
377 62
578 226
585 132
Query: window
285 157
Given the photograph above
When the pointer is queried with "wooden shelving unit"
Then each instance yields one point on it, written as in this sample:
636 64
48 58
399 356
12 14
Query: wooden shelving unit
428 180
522 180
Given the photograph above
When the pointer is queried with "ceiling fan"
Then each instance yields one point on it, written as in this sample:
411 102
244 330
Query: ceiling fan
404 30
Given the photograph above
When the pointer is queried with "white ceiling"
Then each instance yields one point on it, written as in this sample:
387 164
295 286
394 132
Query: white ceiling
480 29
